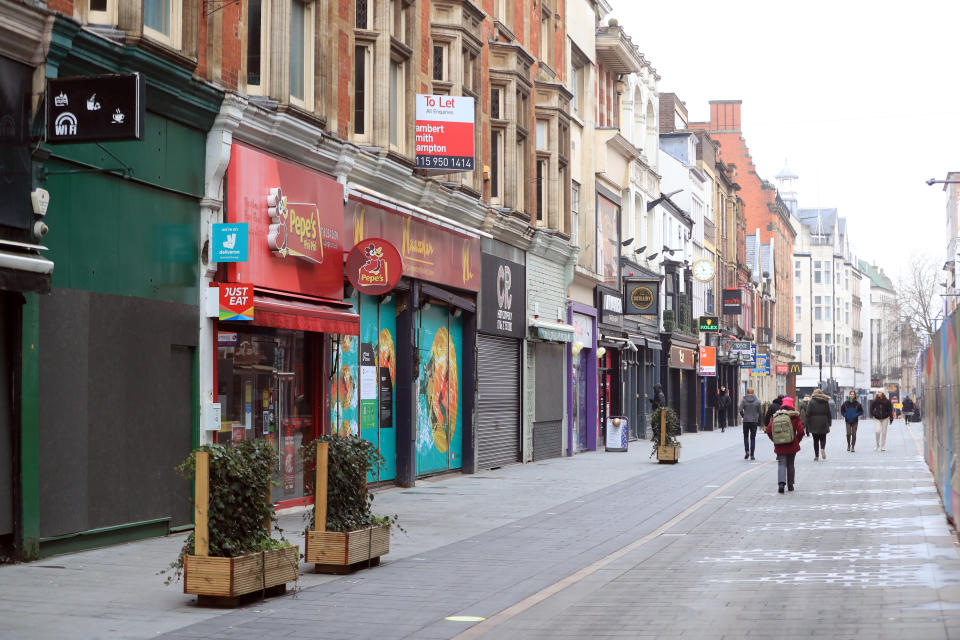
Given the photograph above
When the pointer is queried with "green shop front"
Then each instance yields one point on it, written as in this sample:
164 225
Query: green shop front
115 342
407 383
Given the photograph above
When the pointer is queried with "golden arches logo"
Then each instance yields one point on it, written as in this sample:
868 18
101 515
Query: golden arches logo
467 272
359 222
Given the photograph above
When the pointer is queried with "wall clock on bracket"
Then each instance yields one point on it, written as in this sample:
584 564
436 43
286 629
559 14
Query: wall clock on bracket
704 270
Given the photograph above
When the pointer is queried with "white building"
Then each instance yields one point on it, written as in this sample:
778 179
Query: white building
885 343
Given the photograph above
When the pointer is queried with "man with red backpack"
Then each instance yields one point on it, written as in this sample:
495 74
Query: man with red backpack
786 431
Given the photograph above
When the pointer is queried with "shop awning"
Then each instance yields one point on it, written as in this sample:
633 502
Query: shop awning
301 315
553 331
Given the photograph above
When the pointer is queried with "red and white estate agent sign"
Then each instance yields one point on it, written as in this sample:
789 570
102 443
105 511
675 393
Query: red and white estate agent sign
444 136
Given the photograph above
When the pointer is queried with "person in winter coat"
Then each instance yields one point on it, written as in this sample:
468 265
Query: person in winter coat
723 408
908 409
882 411
658 400
817 421
803 411
750 410
851 410
786 453
772 408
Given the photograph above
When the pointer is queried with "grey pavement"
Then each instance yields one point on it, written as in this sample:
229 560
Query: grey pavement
603 544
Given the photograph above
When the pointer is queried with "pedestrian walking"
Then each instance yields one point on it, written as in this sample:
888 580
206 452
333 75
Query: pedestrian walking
723 408
784 424
881 411
851 410
658 400
804 403
772 408
908 409
750 410
817 421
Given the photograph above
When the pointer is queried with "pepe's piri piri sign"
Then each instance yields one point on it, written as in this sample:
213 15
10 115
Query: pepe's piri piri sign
427 251
374 266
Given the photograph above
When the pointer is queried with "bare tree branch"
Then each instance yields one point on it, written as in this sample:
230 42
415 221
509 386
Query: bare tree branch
917 294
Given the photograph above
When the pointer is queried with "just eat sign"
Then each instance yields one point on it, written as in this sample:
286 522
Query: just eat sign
236 302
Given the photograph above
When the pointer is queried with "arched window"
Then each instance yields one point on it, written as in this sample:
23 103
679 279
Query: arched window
653 134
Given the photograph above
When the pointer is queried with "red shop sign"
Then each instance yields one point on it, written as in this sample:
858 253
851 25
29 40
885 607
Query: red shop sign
783 368
374 266
296 224
428 252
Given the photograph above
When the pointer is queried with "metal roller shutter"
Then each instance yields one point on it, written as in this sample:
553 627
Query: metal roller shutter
498 402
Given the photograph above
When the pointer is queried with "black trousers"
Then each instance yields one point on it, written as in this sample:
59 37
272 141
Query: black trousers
749 437
819 442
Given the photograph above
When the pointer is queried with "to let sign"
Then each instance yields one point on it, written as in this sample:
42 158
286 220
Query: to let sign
444 133
236 302
708 361
95 108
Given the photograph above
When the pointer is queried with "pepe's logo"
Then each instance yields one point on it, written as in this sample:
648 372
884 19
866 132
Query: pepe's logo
292 233
374 270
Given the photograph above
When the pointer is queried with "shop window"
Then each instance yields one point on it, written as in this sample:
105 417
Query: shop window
496 165
162 22
501 11
398 20
543 186
471 73
543 139
440 60
267 389
365 14
496 102
520 201
523 110
574 213
546 41
362 92
397 105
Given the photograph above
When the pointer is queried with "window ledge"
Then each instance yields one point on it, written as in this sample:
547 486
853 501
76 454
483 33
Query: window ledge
504 30
365 35
303 114
164 51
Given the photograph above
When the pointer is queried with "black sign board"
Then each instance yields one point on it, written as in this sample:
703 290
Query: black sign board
795 368
95 108
641 297
503 297
386 398
732 303
610 305
709 323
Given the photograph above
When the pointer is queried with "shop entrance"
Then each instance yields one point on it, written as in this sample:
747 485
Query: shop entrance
608 373
439 400
378 375
267 388
579 400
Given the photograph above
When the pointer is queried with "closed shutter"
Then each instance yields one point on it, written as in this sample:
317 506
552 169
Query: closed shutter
498 404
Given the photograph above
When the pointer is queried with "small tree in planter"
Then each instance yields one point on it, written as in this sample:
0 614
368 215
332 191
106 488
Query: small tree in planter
342 533
231 551
666 423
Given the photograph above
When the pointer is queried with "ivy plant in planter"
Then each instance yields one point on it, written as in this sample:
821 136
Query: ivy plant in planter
231 551
343 534
667 450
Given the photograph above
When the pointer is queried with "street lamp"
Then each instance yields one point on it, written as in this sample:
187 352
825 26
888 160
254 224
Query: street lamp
933 181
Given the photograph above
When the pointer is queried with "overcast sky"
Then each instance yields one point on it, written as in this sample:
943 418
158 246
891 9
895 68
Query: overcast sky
858 97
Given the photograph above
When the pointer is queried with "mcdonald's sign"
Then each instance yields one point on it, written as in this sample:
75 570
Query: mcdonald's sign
795 368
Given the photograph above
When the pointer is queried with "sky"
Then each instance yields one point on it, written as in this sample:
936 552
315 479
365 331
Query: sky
858 98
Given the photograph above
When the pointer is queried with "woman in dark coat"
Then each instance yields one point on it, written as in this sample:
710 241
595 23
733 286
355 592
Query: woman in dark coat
772 409
818 421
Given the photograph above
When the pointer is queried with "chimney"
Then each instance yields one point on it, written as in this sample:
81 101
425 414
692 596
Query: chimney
725 115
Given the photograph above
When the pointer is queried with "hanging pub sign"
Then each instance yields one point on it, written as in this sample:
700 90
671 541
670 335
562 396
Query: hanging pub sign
444 133
503 295
374 266
641 297
236 302
709 323
731 302
95 108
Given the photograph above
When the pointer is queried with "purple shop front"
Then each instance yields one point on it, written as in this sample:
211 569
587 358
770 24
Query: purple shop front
582 380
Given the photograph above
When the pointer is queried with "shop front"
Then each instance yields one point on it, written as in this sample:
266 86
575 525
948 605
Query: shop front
501 329
408 384
279 311
641 306
613 353
582 374
680 378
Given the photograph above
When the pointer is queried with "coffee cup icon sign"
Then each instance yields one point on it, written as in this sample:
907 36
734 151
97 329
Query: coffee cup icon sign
118 117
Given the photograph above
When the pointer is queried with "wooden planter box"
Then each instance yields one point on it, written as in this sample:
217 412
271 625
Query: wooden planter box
235 577
337 552
668 454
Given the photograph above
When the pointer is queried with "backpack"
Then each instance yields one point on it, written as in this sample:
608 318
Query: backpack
781 429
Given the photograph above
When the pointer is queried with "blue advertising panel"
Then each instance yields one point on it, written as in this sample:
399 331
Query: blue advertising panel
229 242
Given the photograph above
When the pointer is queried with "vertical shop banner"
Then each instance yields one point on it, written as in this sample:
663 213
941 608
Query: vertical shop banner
236 302
708 361
503 297
368 387
444 133
429 252
732 305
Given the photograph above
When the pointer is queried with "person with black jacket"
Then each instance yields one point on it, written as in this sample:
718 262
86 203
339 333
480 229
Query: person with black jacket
908 409
882 410
772 408
817 420
658 400
851 410
723 408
